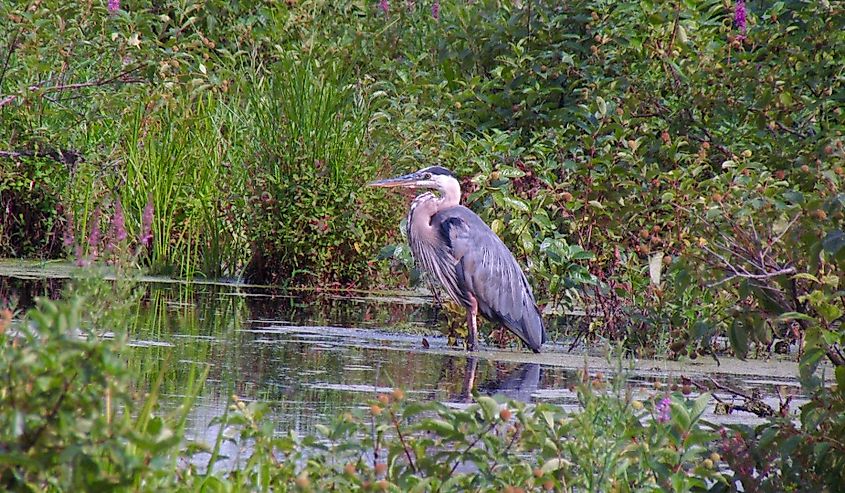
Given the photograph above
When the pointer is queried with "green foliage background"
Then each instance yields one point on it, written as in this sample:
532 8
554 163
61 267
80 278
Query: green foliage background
671 173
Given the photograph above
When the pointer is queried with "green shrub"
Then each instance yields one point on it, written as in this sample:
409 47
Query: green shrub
32 222
67 419
311 217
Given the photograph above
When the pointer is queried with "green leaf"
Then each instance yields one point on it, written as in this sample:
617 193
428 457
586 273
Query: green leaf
794 196
829 311
542 220
807 276
555 464
840 377
699 405
489 406
739 338
322 429
834 241
602 106
421 486
438 426
783 317
680 415
515 203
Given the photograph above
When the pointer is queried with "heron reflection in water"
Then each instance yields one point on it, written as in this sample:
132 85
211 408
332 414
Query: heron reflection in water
453 245
518 383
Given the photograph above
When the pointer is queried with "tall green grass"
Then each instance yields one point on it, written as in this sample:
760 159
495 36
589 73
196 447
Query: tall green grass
311 217
177 158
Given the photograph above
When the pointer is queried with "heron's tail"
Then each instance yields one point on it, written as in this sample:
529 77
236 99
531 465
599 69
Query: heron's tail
533 329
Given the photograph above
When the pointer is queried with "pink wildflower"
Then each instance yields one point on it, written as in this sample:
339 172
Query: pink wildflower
94 236
118 227
113 6
663 410
147 223
740 19
435 10
67 237
384 6
81 261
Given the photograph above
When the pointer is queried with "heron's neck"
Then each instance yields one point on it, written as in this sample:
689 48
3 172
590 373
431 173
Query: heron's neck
450 194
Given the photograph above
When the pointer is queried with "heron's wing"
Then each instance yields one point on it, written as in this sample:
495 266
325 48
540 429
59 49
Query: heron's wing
487 269
434 256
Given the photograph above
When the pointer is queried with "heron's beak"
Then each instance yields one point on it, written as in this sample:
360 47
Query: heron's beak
408 180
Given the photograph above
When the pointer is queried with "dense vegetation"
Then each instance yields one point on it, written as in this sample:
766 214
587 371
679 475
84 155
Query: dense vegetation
674 168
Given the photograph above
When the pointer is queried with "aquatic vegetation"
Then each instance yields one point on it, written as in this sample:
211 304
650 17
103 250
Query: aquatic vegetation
311 220
70 421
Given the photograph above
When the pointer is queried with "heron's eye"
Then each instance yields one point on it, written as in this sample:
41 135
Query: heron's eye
427 176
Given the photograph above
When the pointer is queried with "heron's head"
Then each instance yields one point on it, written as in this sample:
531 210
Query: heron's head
433 177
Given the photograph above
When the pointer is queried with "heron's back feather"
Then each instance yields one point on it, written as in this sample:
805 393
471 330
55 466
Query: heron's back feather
484 267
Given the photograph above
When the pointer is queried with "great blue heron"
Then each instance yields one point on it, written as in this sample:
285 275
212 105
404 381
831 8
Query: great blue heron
451 243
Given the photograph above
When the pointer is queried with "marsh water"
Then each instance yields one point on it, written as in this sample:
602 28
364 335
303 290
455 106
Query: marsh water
312 355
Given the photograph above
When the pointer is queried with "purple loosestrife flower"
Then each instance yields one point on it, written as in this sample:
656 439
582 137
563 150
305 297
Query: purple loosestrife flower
118 227
94 236
81 261
147 224
740 19
67 238
663 410
113 6
384 6
435 10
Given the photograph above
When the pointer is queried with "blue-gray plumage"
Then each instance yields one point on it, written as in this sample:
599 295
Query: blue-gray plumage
453 244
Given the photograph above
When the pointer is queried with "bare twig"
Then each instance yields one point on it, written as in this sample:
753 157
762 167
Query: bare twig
723 281
404 444
61 155
791 130
9 53
739 271
751 405
675 27
779 237
468 448
122 77
516 434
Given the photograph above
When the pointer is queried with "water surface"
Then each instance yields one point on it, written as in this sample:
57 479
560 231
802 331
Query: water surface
313 355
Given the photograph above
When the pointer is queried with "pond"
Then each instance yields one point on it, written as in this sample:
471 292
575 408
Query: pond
312 355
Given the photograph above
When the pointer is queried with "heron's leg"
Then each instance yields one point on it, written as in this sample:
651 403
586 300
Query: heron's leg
472 327
469 379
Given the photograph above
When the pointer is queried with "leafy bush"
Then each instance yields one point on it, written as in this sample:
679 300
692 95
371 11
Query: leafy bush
31 221
640 130
67 422
311 215
784 455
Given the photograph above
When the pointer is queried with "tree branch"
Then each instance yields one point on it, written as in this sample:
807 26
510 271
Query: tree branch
122 77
